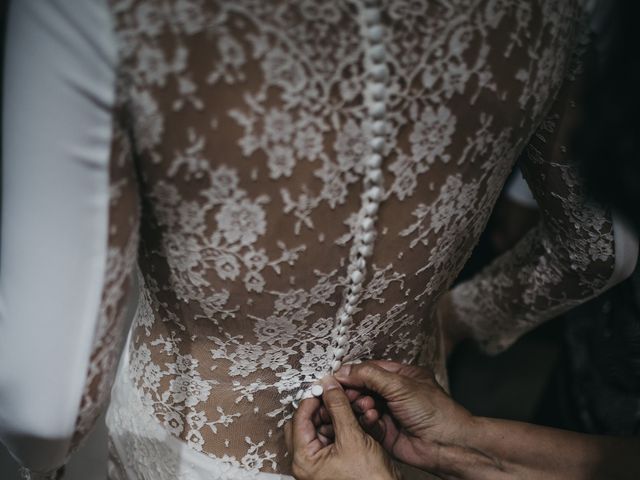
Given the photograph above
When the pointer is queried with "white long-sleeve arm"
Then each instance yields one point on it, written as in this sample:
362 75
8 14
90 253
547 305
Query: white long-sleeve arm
55 247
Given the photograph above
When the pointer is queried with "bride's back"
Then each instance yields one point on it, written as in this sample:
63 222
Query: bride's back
246 125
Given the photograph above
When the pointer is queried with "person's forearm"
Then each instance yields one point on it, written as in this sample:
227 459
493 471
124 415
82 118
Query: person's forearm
501 449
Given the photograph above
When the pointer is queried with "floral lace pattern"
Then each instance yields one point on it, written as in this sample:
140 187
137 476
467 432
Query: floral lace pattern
548 256
136 438
249 133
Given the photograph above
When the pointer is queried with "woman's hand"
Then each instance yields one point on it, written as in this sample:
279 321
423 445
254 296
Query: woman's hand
418 417
351 454
420 425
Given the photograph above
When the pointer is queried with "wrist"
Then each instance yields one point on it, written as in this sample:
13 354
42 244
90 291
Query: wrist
465 455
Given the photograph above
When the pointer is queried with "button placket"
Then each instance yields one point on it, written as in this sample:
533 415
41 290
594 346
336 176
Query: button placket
377 73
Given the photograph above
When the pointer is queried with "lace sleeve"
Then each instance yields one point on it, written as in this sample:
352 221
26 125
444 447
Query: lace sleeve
69 229
568 258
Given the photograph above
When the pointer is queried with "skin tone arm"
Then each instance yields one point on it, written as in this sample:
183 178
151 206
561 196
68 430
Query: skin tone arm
422 426
499 449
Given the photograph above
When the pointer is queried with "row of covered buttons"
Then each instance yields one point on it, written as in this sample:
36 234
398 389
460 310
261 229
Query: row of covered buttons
375 98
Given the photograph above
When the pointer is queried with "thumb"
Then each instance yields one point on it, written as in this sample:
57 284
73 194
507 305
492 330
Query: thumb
302 431
386 382
339 408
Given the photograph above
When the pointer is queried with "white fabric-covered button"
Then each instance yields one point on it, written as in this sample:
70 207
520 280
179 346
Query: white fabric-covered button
342 330
339 352
355 288
374 161
368 237
357 276
377 144
349 309
365 250
374 193
377 53
352 299
379 72
344 323
367 224
374 175
335 366
378 127
371 208
371 16
377 90
377 110
317 390
342 340
374 33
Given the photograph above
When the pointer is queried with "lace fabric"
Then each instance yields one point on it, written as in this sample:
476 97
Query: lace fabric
572 247
140 448
241 131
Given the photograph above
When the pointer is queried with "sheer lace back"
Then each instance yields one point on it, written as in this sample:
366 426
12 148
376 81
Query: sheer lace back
250 134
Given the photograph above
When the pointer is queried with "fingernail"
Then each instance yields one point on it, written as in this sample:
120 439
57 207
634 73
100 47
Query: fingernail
330 383
344 372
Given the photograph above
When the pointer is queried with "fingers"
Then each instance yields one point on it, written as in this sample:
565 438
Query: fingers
359 402
412 371
352 394
374 426
326 431
370 416
363 404
339 408
288 440
303 430
373 377
369 419
323 416
324 441
365 407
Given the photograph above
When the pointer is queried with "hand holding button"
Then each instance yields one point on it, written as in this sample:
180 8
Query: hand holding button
416 416
352 455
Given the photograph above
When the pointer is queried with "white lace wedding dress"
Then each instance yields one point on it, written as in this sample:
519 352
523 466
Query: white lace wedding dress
298 182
